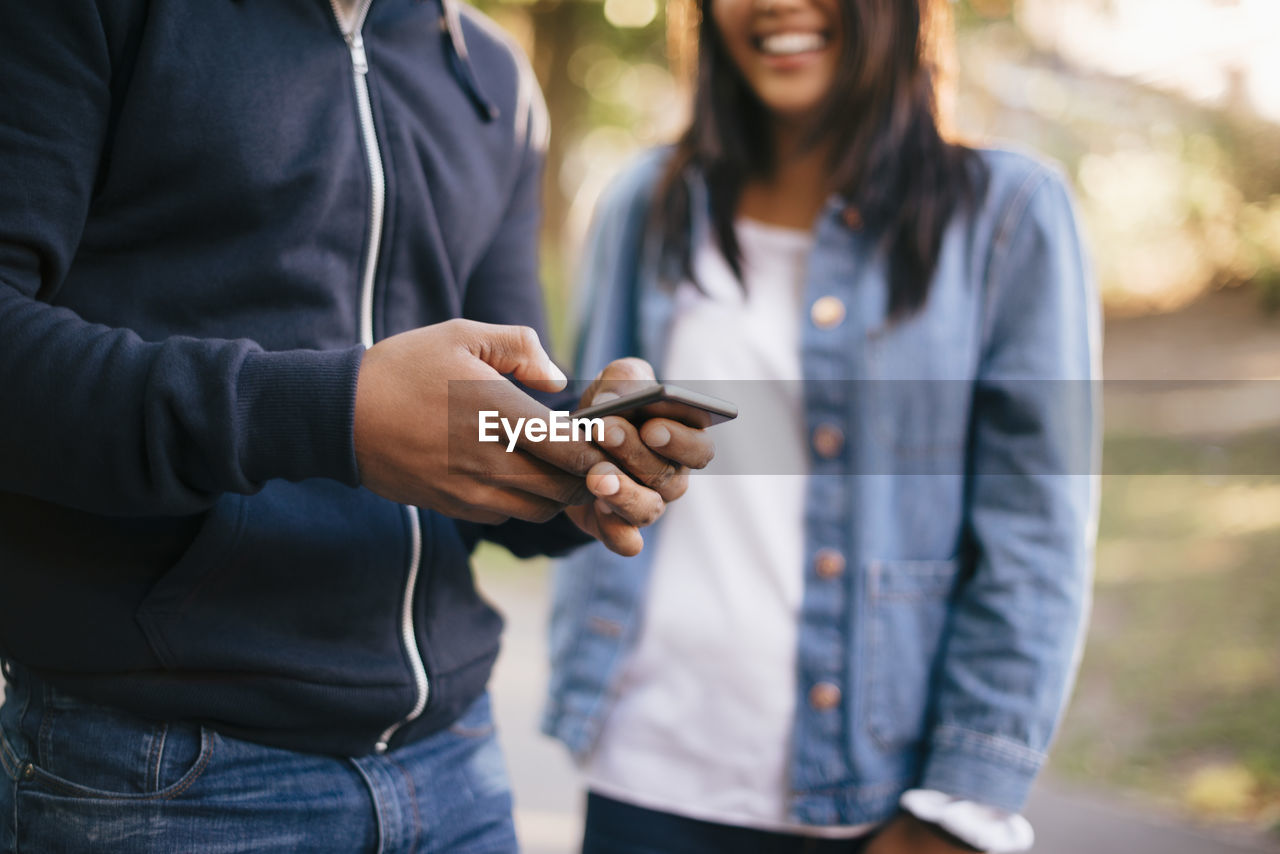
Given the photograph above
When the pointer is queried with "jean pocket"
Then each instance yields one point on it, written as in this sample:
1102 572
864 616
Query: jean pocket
476 721
86 750
909 603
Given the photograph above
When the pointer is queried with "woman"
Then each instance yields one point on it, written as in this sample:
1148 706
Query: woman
869 622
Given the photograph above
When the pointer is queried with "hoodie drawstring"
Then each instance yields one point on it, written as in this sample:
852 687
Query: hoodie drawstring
460 60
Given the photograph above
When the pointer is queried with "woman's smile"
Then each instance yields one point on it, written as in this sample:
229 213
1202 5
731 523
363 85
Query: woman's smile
786 50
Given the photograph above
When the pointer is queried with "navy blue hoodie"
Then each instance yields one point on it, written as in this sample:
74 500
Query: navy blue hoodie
188 253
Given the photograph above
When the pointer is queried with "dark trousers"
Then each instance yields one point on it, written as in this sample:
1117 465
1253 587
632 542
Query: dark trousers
614 827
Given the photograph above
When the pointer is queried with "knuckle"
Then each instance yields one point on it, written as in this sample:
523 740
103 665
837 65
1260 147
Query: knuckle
473 511
651 512
703 455
483 496
576 493
527 336
545 512
583 459
457 327
633 367
643 507
471 491
676 487
612 421
662 477
525 510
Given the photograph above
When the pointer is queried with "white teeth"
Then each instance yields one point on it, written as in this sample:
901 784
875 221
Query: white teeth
786 44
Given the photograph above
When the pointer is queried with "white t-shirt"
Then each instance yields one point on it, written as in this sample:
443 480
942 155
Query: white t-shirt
709 736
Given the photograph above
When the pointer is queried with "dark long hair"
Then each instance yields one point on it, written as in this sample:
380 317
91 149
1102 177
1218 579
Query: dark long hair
890 162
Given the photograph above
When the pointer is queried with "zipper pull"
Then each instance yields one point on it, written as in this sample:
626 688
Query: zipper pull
361 60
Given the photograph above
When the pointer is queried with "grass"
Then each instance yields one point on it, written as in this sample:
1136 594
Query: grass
1179 691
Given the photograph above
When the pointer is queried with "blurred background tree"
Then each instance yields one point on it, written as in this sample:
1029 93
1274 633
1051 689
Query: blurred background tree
1164 113
610 91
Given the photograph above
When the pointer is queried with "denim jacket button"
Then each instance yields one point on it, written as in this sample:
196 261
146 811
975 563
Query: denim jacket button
828 563
828 441
827 312
824 696
852 218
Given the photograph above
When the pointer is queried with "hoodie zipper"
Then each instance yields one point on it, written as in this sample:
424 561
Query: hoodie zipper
377 209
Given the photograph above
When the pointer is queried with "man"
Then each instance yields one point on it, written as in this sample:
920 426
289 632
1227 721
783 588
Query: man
238 241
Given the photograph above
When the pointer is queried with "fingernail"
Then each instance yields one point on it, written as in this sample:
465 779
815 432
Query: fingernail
659 436
608 485
603 397
555 373
614 437
603 509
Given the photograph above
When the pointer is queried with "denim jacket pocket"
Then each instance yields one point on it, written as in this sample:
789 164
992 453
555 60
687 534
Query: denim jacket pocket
908 604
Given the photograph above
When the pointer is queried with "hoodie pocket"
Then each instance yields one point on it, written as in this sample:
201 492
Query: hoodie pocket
909 603
214 546
302 580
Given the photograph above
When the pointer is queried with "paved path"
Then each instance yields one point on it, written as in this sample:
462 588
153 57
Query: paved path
548 799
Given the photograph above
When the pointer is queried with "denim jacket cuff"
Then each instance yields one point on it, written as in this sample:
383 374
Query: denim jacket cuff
977 766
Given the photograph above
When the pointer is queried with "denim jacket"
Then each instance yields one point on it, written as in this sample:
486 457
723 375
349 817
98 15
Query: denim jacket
948 528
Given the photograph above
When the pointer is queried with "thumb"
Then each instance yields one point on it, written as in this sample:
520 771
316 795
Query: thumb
516 350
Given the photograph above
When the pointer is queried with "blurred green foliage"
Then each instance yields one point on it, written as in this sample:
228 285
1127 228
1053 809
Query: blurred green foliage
1178 197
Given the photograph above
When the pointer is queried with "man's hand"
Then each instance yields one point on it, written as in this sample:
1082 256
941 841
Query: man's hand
416 436
906 834
406 413
658 456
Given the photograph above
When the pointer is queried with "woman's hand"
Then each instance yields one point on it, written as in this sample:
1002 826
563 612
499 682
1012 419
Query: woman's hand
906 834
649 466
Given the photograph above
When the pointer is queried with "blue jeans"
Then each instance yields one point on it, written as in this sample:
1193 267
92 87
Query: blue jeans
616 827
80 777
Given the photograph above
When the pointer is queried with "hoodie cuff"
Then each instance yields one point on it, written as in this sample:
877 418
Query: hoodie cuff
295 415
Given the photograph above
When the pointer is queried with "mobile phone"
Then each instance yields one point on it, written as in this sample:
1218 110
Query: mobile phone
664 400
